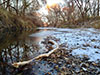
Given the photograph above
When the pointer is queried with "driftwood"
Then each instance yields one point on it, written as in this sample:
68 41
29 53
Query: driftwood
17 64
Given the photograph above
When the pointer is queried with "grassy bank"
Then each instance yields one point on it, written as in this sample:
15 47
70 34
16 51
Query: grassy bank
91 22
11 21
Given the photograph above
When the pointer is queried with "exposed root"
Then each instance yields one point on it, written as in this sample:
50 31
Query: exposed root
17 64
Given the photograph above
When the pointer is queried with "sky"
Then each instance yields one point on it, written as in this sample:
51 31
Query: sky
43 9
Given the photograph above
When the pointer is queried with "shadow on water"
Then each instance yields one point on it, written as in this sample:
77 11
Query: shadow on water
20 46
15 46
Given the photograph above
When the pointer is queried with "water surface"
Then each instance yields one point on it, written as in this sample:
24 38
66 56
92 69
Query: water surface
21 46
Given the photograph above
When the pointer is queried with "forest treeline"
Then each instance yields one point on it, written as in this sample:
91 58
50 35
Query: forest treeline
13 18
74 12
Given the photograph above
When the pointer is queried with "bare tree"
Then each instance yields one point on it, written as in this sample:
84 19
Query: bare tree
98 8
8 5
17 6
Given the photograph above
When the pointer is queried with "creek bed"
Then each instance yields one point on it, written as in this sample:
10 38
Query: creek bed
79 52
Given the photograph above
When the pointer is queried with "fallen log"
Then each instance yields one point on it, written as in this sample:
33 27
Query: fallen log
17 64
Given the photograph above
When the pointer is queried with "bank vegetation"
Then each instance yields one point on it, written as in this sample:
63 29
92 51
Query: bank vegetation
74 13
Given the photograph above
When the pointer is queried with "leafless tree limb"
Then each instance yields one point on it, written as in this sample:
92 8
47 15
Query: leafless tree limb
17 64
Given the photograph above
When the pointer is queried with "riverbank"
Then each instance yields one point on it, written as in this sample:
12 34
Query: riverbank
12 22
92 22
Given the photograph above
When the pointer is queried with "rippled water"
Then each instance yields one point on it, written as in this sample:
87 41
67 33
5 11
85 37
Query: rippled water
21 46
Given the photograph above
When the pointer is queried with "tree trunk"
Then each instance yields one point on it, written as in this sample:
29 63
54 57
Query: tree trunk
16 6
98 8
4 3
8 5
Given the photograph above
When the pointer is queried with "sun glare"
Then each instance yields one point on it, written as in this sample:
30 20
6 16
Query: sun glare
51 2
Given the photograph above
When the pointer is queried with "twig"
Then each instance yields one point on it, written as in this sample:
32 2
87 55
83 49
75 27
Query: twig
17 64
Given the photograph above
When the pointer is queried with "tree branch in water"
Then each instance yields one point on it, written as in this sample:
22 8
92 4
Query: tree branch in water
17 64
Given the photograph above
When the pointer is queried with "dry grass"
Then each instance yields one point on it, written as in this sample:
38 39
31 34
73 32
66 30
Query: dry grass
10 20
87 22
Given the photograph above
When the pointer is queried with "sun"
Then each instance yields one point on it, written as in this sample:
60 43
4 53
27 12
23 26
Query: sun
51 2
50 5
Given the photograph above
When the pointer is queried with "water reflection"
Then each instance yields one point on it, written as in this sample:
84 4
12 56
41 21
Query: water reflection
22 46
16 47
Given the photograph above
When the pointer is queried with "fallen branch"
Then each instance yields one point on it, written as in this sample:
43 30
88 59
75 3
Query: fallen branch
17 64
